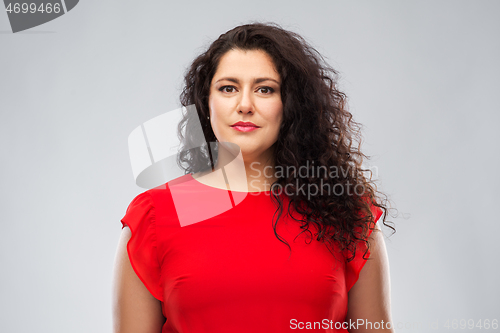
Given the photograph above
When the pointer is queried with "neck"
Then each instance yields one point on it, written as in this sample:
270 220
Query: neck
243 172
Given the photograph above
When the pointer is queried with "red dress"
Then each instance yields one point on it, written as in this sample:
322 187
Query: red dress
212 258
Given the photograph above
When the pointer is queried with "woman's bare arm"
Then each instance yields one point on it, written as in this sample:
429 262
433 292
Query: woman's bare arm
370 297
135 310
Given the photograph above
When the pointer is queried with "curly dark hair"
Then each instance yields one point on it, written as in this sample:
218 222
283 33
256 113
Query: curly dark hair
317 130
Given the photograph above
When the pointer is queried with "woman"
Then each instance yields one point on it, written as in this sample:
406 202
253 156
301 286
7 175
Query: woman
271 227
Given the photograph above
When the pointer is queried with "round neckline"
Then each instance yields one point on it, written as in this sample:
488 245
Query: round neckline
225 189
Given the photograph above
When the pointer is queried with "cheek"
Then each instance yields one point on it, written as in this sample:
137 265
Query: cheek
273 109
217 107
217 117
277 115
212 105
213 108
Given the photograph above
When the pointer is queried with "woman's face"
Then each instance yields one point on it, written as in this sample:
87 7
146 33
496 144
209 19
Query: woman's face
246 88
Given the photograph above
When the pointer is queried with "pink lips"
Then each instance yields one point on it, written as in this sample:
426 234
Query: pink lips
244 126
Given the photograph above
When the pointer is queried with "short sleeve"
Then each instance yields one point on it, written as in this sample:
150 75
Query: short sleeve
353 267
142 247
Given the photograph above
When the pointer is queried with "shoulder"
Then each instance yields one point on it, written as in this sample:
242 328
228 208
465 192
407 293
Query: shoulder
374 210
159 193
166 201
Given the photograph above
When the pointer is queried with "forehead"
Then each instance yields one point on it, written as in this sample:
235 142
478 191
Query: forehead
246 63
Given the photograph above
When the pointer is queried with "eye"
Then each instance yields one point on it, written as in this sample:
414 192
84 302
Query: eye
267 90
229 87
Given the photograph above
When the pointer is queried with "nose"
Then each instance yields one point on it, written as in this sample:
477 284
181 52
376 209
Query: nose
246 102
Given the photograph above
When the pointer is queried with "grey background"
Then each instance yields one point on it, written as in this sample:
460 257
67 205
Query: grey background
422 76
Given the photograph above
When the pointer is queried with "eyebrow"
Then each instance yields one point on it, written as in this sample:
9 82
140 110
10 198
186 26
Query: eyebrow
257 80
